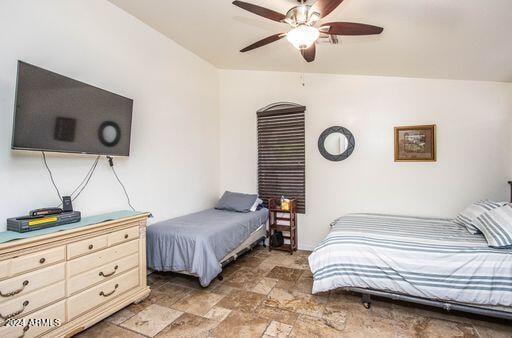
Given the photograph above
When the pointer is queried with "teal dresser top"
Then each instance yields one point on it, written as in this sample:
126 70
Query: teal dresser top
8 236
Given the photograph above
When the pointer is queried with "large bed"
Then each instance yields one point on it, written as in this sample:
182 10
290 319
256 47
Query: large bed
424 260
200 244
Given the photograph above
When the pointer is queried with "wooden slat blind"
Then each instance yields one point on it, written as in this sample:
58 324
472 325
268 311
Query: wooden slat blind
281 153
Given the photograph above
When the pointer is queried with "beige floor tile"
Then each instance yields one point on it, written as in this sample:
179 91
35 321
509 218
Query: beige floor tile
152 320
491 330
222 289
315 327
120 316
335 317
436 328
189 325
241 324
280 315
277 329
198 302
291 261
265 285
266 267
304 284
166 295
245 278
185 280
284 273
107 330
249 261
296 301
217 313
241 300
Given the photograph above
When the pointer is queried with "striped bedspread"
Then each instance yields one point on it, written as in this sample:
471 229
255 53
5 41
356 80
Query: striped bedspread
422 257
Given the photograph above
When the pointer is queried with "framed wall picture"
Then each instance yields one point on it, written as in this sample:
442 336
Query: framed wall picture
415 143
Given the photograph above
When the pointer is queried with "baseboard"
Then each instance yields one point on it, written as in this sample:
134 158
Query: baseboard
306 246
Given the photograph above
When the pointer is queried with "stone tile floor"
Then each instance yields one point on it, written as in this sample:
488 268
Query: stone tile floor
268 294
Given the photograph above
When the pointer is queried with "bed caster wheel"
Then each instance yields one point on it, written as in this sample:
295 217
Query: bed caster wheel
220 278
366 300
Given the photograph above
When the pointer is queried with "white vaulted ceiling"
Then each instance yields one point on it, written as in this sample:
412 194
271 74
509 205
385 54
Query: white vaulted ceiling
451 39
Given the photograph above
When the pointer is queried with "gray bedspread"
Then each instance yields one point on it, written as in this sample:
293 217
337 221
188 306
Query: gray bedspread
197 242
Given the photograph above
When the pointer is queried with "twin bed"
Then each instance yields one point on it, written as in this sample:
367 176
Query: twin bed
201 244
424 260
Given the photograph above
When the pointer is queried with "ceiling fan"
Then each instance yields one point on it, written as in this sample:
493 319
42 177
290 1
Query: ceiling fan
305 29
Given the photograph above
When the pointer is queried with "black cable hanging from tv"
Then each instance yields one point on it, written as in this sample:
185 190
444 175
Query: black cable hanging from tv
51 177
83 184
111 164
86 179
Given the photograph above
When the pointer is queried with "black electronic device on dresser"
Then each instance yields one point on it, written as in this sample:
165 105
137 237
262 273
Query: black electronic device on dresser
31 223
45 218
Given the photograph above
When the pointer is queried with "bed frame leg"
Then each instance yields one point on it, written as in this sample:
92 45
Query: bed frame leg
220 278
263 243
367 301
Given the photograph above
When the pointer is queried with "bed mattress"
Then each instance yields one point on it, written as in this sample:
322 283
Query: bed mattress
422 257
196 243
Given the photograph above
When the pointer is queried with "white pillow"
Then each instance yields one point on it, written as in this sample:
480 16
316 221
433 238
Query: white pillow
256 204
468 216
496 225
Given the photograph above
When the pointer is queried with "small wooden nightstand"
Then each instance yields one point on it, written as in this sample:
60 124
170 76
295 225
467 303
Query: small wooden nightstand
284 221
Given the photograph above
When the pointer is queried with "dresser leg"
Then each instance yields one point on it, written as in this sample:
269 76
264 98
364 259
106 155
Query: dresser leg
141 299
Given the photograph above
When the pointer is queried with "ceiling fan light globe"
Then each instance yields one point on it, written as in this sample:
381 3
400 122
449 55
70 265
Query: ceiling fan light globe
303 36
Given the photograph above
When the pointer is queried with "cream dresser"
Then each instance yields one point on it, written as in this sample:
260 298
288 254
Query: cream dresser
74 277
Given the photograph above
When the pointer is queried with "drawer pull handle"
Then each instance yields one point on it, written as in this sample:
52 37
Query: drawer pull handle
14 314
110 293
25 329
10 294
42 260
109 274
91 246
126 236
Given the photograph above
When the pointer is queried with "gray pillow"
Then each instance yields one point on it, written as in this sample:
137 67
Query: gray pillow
234 201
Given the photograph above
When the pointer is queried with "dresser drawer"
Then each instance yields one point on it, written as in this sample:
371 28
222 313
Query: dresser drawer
123 236
87 246
97 259
37 260
23 304
102 293
5 267
97 275
22 285
50 317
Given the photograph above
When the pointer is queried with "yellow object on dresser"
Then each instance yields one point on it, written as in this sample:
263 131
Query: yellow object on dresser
60 283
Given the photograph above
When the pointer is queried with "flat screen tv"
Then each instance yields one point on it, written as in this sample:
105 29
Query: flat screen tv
58 114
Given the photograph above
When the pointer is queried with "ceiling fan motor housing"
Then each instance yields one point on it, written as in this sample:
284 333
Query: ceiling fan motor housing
302 15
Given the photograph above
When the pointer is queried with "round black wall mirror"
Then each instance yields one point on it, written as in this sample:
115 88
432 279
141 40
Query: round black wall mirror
336 143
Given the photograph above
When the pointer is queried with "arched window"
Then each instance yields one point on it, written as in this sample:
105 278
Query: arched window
281 153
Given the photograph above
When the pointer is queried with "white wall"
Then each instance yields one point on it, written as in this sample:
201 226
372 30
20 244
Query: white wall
474 146
173 167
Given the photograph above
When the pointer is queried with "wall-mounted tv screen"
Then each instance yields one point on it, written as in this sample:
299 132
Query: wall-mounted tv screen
59 114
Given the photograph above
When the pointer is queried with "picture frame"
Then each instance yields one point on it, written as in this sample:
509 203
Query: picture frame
415 143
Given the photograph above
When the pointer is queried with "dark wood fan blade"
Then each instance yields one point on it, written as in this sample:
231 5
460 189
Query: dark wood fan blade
261 11
264 42
325 7
309 54
351 28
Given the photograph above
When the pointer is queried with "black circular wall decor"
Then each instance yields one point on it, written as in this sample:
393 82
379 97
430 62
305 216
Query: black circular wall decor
350 146
101 134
